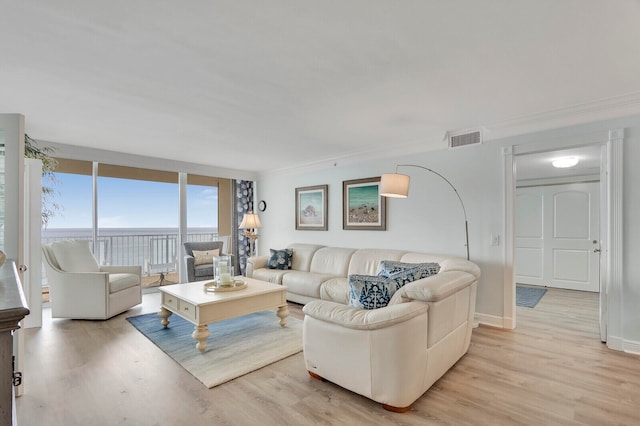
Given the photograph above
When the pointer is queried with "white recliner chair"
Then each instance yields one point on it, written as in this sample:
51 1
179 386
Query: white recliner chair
394 354
81 289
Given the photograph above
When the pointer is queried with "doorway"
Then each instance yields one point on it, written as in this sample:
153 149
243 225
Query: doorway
557 232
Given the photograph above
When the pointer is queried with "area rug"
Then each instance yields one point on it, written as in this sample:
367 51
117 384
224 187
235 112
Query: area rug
236 346
529 297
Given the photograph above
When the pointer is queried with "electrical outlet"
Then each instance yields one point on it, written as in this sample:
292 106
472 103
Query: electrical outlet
495 240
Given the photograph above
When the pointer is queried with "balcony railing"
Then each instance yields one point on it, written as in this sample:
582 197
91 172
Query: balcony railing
155 251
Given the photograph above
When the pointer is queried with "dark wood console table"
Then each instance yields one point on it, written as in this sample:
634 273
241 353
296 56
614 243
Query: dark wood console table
13 308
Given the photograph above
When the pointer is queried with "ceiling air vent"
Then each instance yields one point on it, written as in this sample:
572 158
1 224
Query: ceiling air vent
457 140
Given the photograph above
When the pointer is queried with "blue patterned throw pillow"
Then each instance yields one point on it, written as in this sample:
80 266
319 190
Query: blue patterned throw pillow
370 292
280 259
391 267
405 276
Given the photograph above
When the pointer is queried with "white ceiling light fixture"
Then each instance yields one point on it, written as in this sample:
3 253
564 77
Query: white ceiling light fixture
565 162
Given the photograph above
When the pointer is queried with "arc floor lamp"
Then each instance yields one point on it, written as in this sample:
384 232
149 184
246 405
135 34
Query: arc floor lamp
396 185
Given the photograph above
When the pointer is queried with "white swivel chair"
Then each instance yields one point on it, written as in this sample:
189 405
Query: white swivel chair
81 289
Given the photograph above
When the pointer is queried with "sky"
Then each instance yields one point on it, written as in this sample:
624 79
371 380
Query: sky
127 203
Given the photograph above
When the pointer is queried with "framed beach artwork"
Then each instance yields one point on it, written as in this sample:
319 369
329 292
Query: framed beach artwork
362 206
311 208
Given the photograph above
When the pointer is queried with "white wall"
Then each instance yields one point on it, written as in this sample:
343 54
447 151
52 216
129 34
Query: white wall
631 286
430 220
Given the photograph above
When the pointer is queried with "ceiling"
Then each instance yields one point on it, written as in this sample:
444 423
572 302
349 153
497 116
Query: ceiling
256 85
538 165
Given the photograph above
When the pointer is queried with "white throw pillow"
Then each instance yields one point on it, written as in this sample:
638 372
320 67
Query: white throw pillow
205 257
75 256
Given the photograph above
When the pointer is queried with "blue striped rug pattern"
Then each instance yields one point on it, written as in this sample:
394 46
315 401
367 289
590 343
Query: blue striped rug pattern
236 346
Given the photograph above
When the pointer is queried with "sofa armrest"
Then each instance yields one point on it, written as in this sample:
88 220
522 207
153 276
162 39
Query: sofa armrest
434 288
70 287
256 262
363 319
189 265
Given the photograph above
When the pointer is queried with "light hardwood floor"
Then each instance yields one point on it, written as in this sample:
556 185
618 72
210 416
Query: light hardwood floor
552 370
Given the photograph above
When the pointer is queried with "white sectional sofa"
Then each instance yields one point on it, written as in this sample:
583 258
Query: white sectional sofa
320 272
392 354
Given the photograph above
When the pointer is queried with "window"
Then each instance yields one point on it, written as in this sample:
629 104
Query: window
137 213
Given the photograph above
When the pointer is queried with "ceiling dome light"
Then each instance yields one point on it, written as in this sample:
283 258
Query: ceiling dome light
564 162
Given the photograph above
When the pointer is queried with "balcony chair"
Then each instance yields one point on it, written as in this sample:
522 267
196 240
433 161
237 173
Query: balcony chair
198 264
81 289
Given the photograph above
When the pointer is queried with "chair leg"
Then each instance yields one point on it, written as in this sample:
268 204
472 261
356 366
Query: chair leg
396 409
315 376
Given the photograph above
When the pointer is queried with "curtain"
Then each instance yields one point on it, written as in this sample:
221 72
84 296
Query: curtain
243 200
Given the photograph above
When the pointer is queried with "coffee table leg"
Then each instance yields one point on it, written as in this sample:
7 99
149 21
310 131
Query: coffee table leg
283 313
201 333
164 314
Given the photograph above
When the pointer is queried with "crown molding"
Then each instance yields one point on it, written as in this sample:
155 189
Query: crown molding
603 109
588 112
393 150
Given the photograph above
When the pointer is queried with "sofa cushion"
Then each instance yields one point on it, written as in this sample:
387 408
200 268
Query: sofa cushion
302 255
119 282
366 261
75 256
447 263
280 259
370 291
335 290
391 267
305 283
331 260
204 257
205 270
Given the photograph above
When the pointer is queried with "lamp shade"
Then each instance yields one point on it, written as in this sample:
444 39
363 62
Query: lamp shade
394 185
250 221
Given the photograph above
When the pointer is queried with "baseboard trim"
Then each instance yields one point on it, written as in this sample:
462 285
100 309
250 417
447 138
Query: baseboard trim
615 343
490 320
631 346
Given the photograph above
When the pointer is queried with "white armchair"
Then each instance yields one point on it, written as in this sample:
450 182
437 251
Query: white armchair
81 289
393 354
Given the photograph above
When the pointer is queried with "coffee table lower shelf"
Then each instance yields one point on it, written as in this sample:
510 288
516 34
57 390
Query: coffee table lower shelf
192 302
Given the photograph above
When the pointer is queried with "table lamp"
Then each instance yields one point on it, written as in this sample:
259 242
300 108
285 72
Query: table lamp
250 221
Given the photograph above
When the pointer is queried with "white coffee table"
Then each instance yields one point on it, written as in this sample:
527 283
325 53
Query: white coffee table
201 307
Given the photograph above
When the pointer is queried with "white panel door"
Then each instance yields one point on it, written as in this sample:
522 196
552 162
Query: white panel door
529 255
564 256
573 236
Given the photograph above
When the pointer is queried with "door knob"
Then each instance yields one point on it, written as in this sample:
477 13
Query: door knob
597 250
22 268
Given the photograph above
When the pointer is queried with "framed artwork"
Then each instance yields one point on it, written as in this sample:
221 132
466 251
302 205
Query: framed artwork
311 208
362 206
